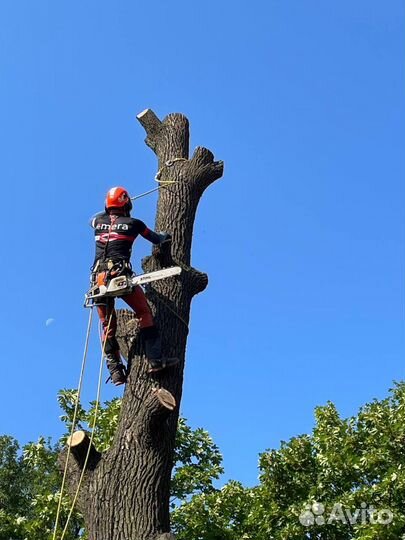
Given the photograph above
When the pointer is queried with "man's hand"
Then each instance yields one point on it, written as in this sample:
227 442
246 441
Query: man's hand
162 250
165 238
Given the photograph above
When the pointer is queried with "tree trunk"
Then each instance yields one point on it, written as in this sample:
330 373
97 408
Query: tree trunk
126 495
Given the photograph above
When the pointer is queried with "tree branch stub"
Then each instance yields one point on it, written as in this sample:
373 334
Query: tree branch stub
80 446
169 139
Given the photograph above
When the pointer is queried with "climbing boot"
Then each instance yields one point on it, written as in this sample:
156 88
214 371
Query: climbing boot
153 350
116 369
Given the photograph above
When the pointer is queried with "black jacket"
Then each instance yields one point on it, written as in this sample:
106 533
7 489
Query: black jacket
114 235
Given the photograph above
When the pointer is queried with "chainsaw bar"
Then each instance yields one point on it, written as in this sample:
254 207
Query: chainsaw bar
155 276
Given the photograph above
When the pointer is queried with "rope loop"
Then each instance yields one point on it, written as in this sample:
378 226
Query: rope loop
168 163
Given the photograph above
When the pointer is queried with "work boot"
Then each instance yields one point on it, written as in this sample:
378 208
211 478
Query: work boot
116 369
153 350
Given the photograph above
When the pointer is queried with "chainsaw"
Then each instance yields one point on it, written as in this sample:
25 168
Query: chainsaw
121 285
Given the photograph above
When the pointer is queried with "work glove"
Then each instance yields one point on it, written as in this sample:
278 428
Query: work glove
165 238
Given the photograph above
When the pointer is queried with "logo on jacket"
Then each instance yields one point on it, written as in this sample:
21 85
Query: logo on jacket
115 227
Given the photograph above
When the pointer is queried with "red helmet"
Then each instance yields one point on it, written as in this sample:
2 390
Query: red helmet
118 197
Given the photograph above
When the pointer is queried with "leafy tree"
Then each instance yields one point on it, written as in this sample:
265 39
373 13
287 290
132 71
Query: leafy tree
314 485
220 514
30 479
306 490
29 483
198 462
11 487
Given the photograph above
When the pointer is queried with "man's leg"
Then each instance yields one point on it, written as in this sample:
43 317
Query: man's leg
149 332
108 319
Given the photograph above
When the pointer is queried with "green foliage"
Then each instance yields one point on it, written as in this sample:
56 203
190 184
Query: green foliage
198 462
347 465
12 500
356 462
30 480
215 515
107 418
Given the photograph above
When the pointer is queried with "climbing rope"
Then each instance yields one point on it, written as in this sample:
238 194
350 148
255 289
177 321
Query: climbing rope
79 390
155 294
145 193
168 163
163 183
92 430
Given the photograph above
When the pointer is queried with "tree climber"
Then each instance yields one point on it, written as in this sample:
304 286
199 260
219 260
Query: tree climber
115 231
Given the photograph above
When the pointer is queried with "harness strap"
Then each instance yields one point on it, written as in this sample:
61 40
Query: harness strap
113 219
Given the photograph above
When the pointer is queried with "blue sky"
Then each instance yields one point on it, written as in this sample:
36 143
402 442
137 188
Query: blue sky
303 238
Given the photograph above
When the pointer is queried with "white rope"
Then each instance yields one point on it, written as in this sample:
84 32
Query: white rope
100 378
79 390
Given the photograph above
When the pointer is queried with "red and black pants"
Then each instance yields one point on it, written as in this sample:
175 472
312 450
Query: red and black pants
106 310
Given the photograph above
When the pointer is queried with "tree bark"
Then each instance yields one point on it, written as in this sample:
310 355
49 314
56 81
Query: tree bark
127 493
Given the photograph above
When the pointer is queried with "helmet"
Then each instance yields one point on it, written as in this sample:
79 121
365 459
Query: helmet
118 197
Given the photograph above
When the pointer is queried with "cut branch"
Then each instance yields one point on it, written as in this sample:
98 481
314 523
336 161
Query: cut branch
80 445
209 173
168 139
152 126
198 281
202 156
159 404
205 169
165 399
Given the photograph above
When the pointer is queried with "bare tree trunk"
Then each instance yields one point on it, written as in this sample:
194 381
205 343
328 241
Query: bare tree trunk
125 495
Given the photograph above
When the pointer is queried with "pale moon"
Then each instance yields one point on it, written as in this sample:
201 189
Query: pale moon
49 322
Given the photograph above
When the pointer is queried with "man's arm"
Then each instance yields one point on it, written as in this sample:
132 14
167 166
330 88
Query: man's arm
155 237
